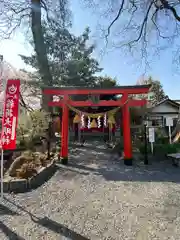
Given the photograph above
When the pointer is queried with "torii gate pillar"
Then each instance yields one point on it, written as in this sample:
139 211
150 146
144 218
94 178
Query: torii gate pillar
64 134
127 135
123 90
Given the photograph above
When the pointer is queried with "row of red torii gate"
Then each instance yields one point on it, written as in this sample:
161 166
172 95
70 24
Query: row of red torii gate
124 102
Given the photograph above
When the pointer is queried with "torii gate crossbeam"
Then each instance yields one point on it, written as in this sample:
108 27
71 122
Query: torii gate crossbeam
124 103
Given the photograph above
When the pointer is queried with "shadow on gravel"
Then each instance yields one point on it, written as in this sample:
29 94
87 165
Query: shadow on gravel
6 211
9 233
99 163
59 228
49 224
130 174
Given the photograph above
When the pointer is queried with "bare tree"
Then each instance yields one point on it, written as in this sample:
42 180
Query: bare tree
146 25
23 14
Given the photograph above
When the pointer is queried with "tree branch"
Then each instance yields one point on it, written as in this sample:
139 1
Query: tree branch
134 8
154 22
23 104
19 11
115 19
166 5
143 25
43 5
16 26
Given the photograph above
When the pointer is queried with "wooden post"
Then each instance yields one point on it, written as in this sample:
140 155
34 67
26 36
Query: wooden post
127 135
64 132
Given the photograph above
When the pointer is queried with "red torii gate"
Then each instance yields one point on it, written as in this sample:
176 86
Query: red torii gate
125 102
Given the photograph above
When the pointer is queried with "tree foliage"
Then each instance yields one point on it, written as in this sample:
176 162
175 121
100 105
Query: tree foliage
32 126
106 82
156 89
70 57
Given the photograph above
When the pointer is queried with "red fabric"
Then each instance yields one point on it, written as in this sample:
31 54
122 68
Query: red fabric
10 114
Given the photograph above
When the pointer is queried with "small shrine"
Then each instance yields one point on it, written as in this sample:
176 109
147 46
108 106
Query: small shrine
85 120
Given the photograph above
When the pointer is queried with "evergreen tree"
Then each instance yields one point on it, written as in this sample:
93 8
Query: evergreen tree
106 82
70 57
157 91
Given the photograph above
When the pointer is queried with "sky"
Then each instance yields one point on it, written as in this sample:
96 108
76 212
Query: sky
113 63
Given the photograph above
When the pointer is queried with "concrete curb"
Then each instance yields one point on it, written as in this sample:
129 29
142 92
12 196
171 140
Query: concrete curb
25 185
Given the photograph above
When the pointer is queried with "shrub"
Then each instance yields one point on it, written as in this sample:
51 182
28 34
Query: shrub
26 171
162 140
165 149
31 128
22 144
142 148
18 162
161 133
177 146
27 164
162 149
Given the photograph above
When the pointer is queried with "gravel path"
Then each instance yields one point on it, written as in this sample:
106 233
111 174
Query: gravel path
98 198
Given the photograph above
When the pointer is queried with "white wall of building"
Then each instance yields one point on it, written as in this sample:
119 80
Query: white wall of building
163 111
165 108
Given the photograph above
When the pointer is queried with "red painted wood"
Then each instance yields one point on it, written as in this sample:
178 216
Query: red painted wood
64 132
136 103
140 90
56 104
130 103
122 103
87 103
126 133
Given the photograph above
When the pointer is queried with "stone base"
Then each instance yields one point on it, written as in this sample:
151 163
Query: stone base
64 160
128 162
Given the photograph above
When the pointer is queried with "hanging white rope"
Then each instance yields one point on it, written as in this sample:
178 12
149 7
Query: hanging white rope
89 122
105 120
99 121
82 121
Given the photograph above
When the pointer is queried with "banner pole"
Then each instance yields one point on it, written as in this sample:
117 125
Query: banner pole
170 141
2 177
152 148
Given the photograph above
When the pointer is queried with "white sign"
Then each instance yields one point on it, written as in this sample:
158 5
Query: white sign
151 135
169 122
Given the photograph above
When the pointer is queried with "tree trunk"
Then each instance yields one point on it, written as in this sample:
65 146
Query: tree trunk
40 47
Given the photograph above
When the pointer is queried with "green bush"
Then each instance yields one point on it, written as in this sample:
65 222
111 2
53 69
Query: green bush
36 139
31 127
161 133
162 140
23 143
165 149
142 149
177 145
162 149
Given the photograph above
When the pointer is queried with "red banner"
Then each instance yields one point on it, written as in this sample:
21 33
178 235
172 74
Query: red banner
10 114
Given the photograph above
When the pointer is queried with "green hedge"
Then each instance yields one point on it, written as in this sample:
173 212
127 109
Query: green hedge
163 149
166 149
142 149
162 140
